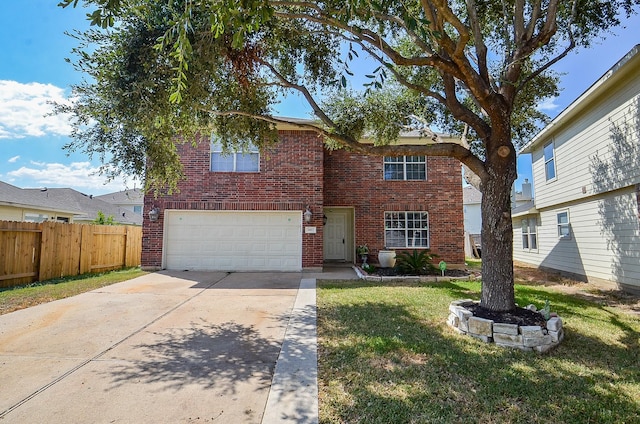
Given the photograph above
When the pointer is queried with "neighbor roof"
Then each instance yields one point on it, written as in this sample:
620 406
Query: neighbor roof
34 198
133 196
65 200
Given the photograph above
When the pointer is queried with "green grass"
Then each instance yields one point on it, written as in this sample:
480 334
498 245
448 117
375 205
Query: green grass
386 355
14 298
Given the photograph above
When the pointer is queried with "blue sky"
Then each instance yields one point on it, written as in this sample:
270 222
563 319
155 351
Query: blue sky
33 72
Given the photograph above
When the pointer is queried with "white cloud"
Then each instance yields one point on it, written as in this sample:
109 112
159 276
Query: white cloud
24 109
81 176
14 159
548 105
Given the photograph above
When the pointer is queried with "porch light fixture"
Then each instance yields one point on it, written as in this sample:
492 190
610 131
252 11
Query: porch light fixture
154 214
307 215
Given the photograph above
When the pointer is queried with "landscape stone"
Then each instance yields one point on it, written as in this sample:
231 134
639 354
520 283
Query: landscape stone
536 341
499 327
544 348
453 320
554 324
525 338
556 336
531 331
508 339
481 326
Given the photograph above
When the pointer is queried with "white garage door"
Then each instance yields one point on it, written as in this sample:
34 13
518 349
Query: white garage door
233 240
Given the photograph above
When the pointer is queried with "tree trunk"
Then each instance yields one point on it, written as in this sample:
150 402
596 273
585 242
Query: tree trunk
497 236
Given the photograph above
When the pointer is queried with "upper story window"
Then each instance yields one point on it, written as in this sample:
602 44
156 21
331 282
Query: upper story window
549 161
406 229
234 161
405 168
529 234
137 209
564 227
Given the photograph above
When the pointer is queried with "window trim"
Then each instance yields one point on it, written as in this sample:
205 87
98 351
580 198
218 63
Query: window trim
562 225
405 228
529 235
216 147
403 161
551 160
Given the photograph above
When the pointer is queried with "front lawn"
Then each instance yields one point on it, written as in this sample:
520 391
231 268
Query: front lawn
386 355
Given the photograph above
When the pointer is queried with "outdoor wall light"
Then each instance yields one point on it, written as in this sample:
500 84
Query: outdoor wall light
307 215
154 214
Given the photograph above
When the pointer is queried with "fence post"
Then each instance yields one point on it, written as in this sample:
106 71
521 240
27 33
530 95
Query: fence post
86 244
46 255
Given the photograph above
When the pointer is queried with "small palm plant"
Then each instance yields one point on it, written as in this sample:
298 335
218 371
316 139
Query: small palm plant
418 262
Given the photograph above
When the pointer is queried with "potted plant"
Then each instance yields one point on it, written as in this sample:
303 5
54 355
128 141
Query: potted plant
387 258
363 252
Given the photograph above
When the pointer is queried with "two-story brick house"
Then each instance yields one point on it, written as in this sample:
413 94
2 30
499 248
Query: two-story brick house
298 205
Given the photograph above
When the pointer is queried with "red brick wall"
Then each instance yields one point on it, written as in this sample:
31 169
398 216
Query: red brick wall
290 178
354 180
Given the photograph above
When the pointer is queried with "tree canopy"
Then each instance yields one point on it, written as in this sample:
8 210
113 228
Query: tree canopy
158 70
161 72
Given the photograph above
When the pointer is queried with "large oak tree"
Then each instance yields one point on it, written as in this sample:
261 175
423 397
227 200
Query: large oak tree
160 71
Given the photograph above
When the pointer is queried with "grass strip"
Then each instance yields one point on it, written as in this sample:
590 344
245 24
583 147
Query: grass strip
15 298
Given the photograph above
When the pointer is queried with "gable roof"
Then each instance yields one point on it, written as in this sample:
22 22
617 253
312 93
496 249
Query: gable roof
628 65
471 195
34 198
65 200
133 196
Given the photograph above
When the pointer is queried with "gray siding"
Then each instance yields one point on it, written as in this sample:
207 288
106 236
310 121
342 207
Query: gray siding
604 242
598 152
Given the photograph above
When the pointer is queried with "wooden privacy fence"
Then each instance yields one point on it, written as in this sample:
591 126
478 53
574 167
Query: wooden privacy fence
40 251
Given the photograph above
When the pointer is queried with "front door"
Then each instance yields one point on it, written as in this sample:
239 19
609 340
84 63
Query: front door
336 237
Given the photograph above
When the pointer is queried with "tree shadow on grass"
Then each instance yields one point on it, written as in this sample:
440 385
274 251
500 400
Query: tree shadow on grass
211 356
382 362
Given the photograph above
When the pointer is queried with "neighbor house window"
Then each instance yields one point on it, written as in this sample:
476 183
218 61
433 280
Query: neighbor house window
549 162
405 168
529 235
406 229
564 227
35 217
137 209
234 160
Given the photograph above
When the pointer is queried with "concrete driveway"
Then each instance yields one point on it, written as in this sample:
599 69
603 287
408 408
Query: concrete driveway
165 348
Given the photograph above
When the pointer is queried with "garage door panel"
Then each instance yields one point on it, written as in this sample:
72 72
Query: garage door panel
233 241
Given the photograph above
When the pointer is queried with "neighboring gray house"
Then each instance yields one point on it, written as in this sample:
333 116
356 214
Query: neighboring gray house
132 199
471 200
58 204
586 171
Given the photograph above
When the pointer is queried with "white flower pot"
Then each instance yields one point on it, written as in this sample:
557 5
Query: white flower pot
387 258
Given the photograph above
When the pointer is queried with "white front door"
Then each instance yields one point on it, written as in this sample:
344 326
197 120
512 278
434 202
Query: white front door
335 235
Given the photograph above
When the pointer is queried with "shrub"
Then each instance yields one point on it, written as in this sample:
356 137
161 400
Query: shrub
418 262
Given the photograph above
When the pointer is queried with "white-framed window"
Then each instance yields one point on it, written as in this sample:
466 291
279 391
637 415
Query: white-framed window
529 234
405 168
564 226
406 229
137 209
234 161
549 161
35 217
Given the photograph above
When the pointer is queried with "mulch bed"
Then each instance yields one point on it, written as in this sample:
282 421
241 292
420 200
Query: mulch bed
519 316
